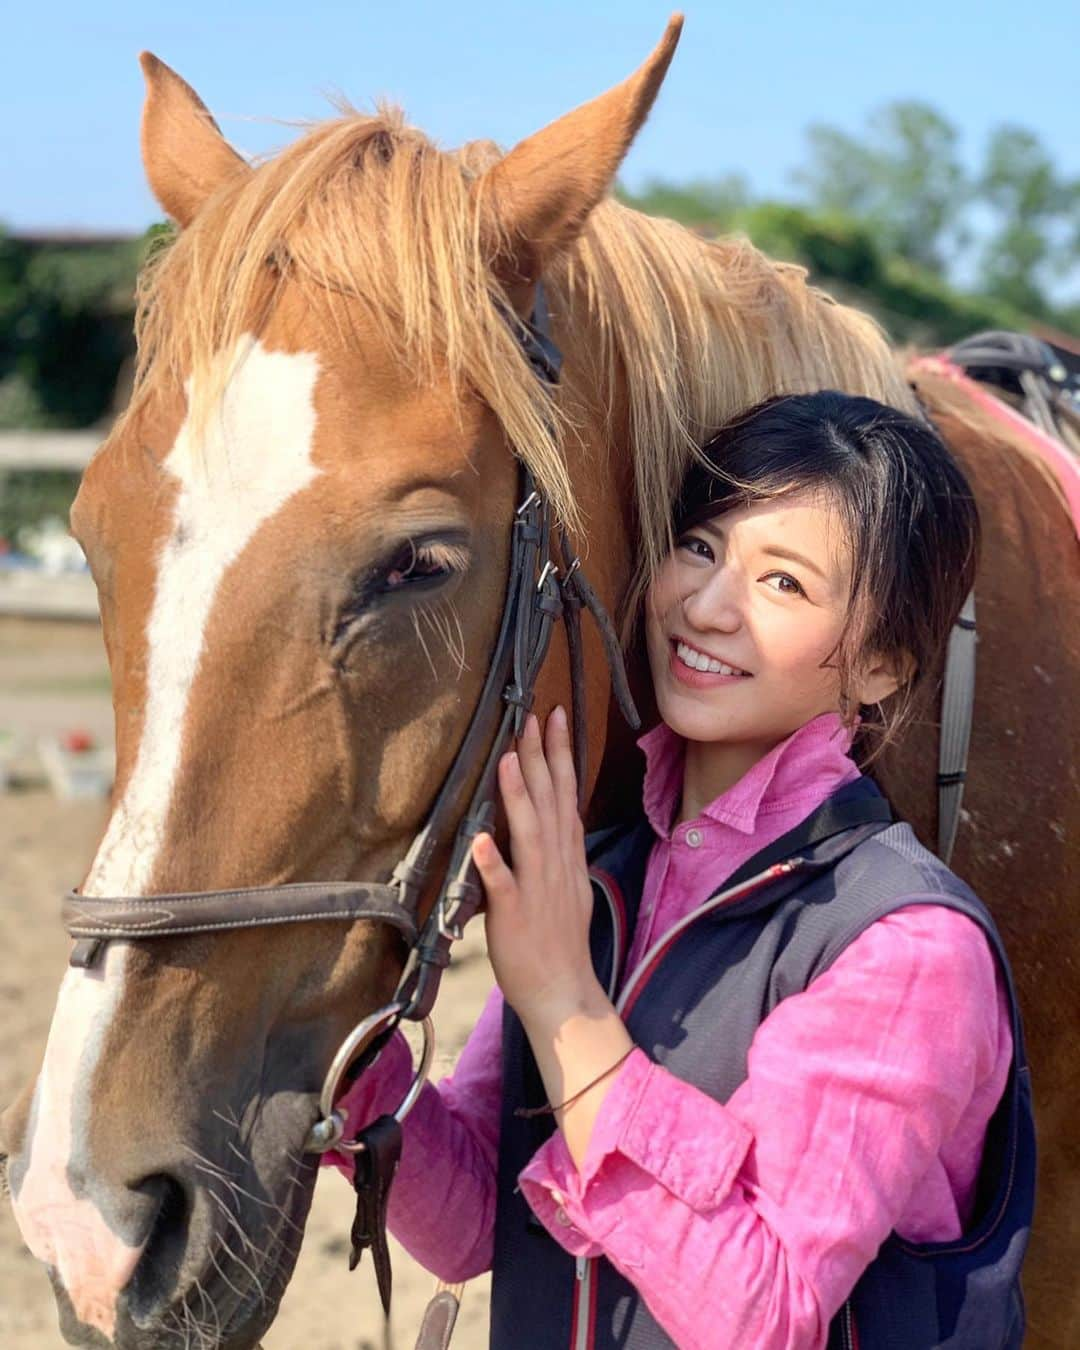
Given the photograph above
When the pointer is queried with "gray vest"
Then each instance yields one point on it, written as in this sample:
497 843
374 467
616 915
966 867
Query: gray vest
806 899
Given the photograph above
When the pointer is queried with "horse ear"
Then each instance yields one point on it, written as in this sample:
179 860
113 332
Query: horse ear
534 202
184 153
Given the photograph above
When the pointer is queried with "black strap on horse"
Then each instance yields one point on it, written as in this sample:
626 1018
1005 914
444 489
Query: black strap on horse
539 592
1026 368
1028 371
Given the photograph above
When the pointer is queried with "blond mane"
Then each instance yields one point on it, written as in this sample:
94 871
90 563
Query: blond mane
367 207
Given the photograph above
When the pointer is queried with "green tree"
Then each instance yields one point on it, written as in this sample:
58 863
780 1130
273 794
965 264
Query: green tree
713 204
905 180
1035 239
65 328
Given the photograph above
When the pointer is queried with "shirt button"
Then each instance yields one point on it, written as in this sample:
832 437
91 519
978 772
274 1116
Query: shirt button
693 838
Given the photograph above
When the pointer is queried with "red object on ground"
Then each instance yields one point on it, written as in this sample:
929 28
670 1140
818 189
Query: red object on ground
77 741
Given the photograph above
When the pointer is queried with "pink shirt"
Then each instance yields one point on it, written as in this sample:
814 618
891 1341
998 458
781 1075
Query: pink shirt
864 1108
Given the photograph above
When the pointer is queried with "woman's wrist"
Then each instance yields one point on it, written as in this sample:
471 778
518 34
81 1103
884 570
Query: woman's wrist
548 1013
579 1045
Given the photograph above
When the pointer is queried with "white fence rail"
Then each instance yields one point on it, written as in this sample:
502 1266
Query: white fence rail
39 595
47 449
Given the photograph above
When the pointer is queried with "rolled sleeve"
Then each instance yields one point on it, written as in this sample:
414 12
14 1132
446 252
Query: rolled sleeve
652 1128
864 1111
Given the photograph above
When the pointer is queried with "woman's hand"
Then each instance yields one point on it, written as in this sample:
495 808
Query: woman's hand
538 912
538 917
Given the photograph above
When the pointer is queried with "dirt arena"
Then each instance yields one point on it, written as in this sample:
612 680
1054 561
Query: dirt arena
53 679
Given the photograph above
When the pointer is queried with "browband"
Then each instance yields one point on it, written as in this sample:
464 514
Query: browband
92 919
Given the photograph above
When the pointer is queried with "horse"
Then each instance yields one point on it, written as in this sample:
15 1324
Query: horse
299 531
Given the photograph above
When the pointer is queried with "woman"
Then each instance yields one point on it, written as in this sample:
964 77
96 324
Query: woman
770 1113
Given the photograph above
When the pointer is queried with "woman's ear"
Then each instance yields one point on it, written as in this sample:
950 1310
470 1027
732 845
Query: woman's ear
880 676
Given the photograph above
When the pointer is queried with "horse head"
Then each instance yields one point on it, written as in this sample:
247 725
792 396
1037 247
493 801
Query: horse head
299 533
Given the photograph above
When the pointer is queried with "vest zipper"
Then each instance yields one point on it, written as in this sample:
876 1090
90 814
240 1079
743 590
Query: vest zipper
644 969
583 1312
848 1336
617 922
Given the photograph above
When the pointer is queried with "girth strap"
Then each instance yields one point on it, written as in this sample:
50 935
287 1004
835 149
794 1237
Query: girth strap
957 707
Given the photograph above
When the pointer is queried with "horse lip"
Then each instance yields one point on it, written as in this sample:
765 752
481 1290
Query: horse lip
245 1298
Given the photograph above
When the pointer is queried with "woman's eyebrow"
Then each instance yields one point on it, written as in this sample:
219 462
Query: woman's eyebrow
775 551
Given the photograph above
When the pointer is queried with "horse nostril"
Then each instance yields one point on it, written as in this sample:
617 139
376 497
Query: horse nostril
157 1274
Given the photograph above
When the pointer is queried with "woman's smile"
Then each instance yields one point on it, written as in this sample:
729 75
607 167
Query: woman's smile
700 669
754 596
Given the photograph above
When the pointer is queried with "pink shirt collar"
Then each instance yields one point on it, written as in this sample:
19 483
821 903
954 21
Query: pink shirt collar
792 771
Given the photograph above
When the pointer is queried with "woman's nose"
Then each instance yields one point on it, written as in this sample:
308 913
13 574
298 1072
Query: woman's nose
715 604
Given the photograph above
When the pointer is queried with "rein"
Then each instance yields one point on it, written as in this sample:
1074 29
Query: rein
539 592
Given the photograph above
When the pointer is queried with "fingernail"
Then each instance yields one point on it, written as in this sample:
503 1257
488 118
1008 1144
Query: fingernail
560 716
532 725
510 760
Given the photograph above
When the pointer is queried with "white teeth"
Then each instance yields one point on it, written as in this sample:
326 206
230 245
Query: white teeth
699 661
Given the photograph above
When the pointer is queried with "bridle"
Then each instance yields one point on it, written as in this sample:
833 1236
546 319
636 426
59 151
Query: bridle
539 591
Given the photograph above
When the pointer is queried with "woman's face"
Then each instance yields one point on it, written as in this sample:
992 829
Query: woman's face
743 618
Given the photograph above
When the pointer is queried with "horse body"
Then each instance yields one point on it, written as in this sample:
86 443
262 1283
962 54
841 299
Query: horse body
299 533
1018 841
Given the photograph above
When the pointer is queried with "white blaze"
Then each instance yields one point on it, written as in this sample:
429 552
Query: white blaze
255 455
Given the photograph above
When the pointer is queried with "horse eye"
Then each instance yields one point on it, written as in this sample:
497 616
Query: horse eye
416 563
414 566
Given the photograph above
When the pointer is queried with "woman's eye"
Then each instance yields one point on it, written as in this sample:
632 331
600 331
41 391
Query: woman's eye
696 546
785 584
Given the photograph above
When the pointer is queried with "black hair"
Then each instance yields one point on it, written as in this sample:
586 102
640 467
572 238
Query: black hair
907 509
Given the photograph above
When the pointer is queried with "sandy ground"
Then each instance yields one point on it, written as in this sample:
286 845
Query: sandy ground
53 679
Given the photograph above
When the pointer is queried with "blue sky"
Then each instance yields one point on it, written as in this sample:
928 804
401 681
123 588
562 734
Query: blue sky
747 79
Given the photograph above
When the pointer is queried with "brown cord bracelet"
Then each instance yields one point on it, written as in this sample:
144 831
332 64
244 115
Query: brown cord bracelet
527 1112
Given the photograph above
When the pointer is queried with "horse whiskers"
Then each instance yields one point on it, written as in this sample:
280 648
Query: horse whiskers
225 1279
258 1253
445 625
446 622
233 1149
230 1120
423 645
205 1164
202 1329
227 1180
218 1173
207 1302
191 1326
179 1328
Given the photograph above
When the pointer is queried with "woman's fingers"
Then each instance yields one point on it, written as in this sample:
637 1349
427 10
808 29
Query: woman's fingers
560 760
537 775
498 879
525 833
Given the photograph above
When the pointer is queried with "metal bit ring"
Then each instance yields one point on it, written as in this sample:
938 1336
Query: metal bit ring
328 1131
